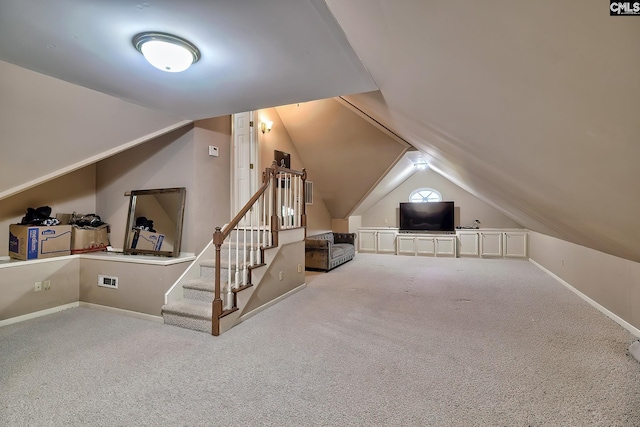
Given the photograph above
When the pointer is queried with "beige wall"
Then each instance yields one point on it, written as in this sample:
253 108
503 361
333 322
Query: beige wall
141 287
160 163
212 179
74 192
177 159
468 207
612 282
17 284
318 217
271 287
342 149
49 125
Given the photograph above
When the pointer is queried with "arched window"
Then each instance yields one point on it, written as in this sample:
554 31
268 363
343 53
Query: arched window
422 195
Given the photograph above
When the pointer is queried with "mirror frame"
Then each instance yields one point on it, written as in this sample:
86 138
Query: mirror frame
181 191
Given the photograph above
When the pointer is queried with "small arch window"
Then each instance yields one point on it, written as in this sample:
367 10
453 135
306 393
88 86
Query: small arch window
424 195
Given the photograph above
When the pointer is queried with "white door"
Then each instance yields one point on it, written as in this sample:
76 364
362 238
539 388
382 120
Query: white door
243 166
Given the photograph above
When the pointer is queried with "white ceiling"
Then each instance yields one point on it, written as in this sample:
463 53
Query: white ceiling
255 54
530 105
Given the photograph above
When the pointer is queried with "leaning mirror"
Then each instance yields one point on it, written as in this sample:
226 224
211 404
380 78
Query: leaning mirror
154 224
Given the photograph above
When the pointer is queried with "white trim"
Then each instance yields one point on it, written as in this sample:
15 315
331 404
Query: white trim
270 303
10 262
6 262
138 259
36 314
620 321
143 316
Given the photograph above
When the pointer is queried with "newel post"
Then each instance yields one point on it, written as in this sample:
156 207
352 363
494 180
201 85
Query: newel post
275 218
303 213
216 307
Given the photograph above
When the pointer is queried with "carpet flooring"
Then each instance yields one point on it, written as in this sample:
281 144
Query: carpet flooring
380 341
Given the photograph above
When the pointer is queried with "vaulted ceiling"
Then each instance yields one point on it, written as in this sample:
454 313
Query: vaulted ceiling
529 105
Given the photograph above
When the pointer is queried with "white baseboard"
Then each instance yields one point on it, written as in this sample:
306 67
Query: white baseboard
38 314
270 303
620 321
143 316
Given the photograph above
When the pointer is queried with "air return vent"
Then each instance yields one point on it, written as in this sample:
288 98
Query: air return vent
308 192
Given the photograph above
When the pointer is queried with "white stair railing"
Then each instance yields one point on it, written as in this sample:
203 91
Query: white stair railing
277 205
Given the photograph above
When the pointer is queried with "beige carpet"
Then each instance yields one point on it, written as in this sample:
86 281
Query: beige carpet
380 341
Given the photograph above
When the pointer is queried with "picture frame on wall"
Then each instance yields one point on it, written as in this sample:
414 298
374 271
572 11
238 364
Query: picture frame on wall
282 159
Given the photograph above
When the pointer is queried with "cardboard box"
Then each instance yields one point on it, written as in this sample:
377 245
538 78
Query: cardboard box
37 242
89 239
146 240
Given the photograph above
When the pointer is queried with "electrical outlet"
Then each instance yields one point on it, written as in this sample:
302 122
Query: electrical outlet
281 275
108 281
47 285
38 287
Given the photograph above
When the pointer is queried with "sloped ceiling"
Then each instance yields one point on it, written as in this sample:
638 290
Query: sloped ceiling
73 89
344 151
255 54
529 105
532 106
50 127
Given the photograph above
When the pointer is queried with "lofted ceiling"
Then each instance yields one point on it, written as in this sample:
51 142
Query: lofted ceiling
254 54
529 105
342 148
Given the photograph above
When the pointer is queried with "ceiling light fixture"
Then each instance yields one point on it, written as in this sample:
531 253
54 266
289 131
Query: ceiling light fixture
421 165
166 52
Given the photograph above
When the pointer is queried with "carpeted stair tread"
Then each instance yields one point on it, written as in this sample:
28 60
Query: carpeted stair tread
189 308
199 285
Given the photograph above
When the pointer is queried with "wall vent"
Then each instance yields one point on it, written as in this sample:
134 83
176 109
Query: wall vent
308 193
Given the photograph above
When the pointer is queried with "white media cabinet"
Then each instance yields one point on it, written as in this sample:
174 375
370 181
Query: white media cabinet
484 243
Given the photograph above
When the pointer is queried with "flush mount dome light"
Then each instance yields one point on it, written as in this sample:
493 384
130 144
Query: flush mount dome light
166 52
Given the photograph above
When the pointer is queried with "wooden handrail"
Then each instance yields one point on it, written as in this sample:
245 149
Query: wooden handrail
220 235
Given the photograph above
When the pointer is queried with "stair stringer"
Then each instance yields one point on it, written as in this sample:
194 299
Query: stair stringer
176 291
267 287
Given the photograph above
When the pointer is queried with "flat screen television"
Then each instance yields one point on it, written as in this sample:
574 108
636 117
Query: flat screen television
426 217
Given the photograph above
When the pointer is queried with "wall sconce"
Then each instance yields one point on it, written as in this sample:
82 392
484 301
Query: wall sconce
266 126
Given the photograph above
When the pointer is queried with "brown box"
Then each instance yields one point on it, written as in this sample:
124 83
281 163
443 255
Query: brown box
89 239
38 242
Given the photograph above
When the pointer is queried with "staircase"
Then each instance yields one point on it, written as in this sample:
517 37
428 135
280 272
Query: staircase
212 296
194 311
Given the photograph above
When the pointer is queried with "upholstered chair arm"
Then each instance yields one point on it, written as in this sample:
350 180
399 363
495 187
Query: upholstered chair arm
344 238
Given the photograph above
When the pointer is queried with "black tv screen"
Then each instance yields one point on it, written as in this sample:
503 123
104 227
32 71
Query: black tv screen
428 216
